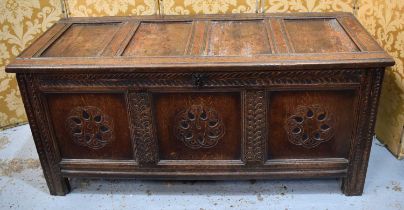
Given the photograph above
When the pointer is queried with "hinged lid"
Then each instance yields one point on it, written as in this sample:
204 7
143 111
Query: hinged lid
254 41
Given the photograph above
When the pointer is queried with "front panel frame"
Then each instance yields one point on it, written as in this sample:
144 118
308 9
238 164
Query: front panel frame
367 83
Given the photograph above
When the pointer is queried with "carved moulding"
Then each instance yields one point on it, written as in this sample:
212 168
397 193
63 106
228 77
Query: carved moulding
89 127
142 130
41 133
255 112
214 79
359 152
309 126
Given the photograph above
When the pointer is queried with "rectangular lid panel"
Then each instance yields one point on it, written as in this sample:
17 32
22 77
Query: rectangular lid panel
159 39
238 37
82 40
318 35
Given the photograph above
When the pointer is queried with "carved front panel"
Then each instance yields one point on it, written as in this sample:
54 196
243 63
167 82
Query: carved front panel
198 126
91 125
310 124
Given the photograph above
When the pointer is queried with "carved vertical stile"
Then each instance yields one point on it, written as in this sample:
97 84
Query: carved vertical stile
255 126
41 133
360 148
141 128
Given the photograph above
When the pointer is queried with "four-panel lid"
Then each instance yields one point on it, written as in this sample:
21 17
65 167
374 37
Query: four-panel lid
253 40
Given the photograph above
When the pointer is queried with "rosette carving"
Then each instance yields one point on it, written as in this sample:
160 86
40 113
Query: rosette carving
89 127
309 126
199 126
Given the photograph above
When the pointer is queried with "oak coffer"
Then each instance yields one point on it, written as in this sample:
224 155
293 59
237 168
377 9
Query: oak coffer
253 96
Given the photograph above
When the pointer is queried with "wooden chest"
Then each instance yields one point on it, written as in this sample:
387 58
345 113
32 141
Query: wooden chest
203 97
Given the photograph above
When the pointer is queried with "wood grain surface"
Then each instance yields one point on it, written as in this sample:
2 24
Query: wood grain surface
253 96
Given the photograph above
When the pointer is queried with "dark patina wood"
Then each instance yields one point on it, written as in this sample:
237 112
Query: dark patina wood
253 96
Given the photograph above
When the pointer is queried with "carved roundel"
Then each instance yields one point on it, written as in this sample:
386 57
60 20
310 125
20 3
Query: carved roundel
89 127
199 126
309 126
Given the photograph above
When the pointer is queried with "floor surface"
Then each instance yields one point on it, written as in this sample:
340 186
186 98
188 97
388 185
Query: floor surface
22 186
